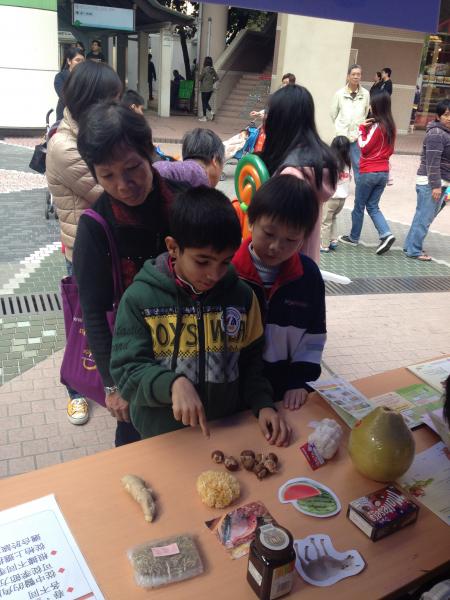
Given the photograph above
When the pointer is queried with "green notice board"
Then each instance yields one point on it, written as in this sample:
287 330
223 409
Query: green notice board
39 4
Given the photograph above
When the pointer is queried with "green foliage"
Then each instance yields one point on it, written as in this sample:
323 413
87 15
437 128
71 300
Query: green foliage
243 18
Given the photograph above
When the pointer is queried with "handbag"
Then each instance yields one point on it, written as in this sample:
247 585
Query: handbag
37 162
78 368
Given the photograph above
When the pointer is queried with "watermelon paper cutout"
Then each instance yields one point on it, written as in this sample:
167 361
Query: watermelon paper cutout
309 497
299 491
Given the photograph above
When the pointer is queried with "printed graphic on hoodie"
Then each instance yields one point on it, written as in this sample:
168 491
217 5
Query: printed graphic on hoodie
204 336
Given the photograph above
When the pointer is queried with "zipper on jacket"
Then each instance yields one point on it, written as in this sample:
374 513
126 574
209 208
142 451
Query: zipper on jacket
201 349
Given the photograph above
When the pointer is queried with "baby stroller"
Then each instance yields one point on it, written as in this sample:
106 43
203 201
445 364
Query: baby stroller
37 162
241 144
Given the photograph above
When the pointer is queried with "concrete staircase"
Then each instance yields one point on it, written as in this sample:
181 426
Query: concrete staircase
250 93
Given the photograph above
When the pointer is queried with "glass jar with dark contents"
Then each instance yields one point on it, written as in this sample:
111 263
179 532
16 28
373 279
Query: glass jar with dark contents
271 562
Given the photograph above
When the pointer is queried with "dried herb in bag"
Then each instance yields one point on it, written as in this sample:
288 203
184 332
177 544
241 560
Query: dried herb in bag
164 561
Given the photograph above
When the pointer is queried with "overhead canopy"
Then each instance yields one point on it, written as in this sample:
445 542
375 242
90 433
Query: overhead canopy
404 14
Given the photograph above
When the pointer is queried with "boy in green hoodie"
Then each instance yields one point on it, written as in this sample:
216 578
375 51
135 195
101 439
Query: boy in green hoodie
188 341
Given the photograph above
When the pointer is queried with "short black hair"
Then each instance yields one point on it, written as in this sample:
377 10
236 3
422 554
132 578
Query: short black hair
353 66
202 217
442 106
98 42
387 70
287 199
204 145
106 128
289 76
89 83
130 97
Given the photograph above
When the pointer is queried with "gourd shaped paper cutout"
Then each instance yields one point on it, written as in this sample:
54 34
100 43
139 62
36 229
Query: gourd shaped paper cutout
251 173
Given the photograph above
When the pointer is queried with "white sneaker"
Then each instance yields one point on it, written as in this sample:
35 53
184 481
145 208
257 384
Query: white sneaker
211 115
203 119
78 411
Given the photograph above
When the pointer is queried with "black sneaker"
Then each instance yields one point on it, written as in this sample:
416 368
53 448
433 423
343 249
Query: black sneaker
345 239
385 244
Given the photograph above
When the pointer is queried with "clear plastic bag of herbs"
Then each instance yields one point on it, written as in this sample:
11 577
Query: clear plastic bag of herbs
164 561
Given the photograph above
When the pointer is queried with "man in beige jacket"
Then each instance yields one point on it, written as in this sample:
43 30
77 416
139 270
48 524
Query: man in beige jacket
349 109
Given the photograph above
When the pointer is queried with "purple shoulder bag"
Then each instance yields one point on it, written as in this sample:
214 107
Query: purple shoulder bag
78 368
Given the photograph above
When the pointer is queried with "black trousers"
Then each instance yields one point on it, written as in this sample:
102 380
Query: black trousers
206 97
150 89
126 434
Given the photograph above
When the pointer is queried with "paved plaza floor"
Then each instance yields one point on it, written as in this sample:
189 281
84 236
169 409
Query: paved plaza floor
394 313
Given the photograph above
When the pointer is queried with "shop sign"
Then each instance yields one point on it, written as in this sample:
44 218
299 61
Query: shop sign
103 17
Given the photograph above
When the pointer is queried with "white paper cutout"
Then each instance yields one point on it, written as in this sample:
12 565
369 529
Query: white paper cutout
320 487
320 564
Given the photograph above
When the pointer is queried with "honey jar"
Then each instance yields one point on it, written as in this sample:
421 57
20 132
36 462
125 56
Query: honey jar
271 562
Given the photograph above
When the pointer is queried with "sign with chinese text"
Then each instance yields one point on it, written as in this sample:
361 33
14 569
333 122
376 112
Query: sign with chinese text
39 558
103 17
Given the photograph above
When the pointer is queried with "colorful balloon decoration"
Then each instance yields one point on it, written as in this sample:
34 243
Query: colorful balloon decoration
251 173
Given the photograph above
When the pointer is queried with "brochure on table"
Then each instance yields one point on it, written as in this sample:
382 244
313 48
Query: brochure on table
413 402
39 557
344 399
434 372
428 480
351 405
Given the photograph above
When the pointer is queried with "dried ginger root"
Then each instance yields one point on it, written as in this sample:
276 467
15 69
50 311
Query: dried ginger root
139 491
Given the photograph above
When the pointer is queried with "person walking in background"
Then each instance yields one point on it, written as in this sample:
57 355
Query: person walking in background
341 147
376 140
386 82
96 52
433 177
376 85
207 78
151 76
349 109
72 57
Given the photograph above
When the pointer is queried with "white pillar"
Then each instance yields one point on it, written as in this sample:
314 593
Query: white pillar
28 71
165 71
143 65
317 51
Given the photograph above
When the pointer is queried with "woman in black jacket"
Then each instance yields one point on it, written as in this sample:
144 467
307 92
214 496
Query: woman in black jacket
116 144
72 57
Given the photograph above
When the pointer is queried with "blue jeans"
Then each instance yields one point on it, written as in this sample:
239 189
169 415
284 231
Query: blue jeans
426 210
369 188
355 155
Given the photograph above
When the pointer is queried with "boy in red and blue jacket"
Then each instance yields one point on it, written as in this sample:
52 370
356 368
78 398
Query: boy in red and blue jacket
288 285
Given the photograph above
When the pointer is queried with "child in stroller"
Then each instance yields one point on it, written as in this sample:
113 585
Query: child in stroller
245 142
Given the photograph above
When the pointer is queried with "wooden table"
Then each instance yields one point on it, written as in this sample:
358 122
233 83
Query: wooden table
105 521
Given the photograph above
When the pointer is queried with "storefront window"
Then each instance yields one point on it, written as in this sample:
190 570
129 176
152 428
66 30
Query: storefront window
434 80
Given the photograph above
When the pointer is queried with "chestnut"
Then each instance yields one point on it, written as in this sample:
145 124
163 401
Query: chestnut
262 473
273 456
248 462
270 465
248 453
217 456
231 463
